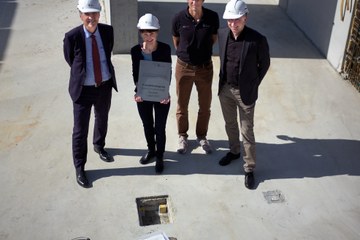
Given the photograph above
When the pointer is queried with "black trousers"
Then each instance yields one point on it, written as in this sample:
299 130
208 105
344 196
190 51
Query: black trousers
100 98
154 129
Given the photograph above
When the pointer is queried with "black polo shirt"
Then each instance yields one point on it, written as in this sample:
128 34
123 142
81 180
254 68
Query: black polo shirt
232 60
195 46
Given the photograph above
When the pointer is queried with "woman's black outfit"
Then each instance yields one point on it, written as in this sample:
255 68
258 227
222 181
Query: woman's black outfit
154 128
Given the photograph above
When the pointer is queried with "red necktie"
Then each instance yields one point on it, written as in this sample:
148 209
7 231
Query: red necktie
96 61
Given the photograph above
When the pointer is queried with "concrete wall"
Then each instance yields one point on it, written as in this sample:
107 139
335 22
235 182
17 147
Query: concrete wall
119 13
320 22
339 37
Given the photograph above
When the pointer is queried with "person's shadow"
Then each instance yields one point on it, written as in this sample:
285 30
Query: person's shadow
294 158
313 158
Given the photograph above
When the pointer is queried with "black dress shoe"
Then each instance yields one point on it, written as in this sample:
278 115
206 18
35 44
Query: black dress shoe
159 166
147 157
249 180
228 158
104 155
82 179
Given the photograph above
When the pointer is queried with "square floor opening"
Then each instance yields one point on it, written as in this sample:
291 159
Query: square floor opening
154 210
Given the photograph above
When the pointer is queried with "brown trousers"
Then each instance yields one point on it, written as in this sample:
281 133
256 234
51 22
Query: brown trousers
186 76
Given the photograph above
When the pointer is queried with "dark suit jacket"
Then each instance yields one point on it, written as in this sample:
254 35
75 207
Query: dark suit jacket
255 61
75 56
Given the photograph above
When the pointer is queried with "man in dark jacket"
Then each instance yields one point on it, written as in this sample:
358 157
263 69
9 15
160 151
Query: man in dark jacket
87 50
244 59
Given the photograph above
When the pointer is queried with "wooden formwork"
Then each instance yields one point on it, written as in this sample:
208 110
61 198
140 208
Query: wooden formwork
351 64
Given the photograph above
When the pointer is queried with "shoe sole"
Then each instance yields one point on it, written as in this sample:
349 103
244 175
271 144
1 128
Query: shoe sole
88 185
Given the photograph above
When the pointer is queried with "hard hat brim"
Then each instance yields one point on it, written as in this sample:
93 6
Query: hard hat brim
88 10
232 16
148 28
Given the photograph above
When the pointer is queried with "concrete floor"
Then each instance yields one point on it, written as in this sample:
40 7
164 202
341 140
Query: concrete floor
307 129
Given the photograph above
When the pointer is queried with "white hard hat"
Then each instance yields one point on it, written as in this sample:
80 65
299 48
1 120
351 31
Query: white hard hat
235 9
86 6
148 21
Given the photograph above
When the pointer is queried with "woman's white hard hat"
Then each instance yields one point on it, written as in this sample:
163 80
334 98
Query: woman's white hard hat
147 22
235 9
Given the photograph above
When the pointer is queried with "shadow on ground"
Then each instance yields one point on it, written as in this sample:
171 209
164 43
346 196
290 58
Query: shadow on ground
7 13
295 158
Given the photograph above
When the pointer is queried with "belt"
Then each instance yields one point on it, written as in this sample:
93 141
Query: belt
194 67
103 83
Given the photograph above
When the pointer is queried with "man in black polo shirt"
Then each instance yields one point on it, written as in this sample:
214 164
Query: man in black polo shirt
194 31
244 61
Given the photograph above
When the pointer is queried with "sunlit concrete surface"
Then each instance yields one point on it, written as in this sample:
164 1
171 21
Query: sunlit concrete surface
307 127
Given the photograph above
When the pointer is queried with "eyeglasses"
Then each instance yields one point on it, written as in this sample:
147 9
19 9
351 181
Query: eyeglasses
148 30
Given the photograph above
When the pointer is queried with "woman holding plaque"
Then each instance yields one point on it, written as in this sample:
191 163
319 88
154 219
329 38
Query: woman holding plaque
154 126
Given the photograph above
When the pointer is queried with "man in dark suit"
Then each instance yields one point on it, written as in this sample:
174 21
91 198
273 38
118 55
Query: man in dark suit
244 59
87 50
